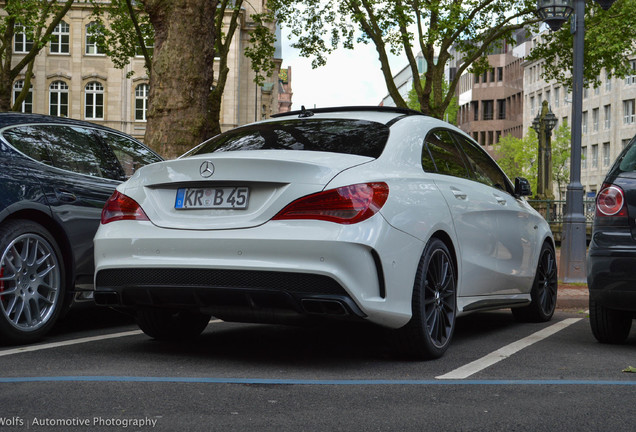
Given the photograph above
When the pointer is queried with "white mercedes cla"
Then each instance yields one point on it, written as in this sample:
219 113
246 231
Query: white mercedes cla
381 215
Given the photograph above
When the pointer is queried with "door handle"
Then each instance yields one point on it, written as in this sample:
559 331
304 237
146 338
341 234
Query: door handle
500 200
458 193
65 196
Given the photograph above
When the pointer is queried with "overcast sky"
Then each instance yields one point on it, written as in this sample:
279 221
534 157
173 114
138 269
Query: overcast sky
351 77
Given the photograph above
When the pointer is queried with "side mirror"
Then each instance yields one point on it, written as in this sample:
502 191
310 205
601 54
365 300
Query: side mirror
522 187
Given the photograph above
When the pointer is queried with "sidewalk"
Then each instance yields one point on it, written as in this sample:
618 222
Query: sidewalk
571 296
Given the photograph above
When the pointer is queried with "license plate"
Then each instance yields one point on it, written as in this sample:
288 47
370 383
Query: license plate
212 198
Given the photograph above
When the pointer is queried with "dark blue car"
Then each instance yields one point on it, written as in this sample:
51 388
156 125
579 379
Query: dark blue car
55 176
611 269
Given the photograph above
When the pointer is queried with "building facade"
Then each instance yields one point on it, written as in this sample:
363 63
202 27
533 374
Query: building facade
608 118
491 104
73 78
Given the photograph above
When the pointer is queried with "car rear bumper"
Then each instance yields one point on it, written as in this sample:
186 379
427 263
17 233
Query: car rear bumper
611 277
278 272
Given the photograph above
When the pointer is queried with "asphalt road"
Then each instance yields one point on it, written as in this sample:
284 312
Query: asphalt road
98 372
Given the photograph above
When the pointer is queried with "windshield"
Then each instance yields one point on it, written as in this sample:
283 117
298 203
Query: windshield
358 137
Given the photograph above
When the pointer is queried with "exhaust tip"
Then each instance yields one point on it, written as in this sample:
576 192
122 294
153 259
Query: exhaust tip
106 298
324 307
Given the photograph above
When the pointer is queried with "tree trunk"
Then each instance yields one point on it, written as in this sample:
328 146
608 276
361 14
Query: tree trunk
179 114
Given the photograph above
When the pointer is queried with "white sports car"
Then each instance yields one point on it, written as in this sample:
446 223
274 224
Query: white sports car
374 214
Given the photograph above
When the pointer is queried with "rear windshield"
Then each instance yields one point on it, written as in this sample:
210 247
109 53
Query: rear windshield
627 161
358 137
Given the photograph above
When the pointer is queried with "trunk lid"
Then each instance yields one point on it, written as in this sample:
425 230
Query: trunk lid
267 180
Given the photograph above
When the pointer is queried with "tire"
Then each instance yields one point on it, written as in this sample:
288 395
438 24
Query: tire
32 281
608 325
162 324
544 289
434 306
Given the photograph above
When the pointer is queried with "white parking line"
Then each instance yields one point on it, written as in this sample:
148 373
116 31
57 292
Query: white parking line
32 348
505 352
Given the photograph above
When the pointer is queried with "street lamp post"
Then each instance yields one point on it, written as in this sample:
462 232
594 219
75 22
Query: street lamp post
573 236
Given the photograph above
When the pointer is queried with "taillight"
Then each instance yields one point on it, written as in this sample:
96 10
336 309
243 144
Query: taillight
120 207
345 205
611 201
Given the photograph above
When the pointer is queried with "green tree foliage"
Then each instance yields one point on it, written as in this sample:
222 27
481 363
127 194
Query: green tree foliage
125 31
36 19
609 40
180 41
518 157
450 114
434 27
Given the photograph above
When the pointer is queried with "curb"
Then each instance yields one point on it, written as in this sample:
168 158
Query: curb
573 298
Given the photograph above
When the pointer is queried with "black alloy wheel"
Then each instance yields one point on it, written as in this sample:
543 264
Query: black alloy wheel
544 289
430 330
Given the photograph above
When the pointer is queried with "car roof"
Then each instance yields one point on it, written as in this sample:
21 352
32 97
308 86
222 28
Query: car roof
14 118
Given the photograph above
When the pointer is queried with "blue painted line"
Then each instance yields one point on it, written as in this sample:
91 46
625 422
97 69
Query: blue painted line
203 380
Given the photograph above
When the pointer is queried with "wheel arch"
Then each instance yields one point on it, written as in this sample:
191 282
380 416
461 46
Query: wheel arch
444 237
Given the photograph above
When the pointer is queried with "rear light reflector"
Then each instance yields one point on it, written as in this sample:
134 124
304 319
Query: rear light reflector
344 205
121 207
610 201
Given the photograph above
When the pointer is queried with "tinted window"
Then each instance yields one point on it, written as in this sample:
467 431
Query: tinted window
130 154
446 156
357 137
70 148
484 169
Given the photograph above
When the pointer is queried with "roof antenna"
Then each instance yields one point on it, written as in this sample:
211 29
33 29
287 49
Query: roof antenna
304 113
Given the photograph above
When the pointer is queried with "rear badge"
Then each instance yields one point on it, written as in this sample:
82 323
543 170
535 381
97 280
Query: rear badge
206 169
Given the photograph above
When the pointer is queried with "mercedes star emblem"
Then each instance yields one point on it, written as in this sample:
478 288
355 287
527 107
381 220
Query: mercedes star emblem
207 169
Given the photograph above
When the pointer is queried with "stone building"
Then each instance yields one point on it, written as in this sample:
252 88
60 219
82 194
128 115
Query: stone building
72 78
608 118
491 104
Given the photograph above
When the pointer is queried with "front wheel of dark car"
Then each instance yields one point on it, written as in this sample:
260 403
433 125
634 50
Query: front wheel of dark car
173 325
434 306
31 281
609 325
544 289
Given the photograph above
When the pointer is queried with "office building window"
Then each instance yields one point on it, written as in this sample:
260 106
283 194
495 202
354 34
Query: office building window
27 103
58 99
22 43
606 154
61 38
94 101
628 112
141 102
92 31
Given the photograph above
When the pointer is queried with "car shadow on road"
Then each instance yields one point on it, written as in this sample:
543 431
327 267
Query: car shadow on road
318 344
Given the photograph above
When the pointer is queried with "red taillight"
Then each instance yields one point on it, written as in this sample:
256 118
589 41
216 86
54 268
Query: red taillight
610 201
345 205
120 207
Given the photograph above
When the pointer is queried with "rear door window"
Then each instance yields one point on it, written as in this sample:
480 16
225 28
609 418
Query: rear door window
70 148
446 156
483 168
130 154
358 137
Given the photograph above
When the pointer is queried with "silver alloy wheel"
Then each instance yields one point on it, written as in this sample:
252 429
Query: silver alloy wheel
30 282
